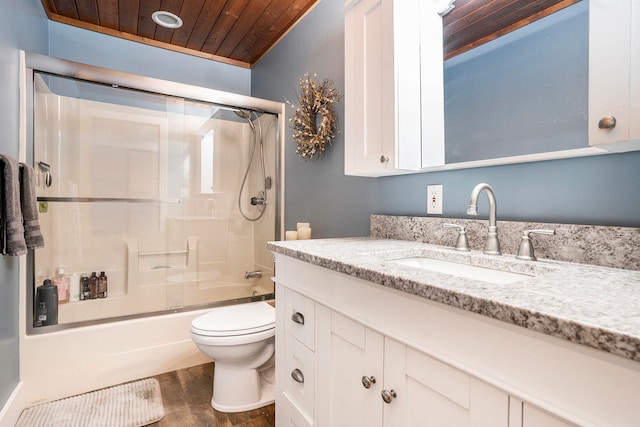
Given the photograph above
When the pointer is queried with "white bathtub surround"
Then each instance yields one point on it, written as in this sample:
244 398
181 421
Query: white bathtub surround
104 355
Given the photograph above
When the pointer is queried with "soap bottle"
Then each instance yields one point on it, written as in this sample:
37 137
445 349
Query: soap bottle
85 287
41 314
93 284
102 285
74 287
63 286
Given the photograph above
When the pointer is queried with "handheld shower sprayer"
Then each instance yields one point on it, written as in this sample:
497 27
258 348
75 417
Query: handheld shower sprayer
260 200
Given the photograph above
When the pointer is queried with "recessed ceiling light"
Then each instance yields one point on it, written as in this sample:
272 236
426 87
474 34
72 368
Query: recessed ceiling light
166 19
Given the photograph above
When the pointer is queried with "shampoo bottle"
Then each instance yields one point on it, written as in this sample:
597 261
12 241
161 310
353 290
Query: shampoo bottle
74 287
47 302
93 280
102 285
85 287
63 286
41 314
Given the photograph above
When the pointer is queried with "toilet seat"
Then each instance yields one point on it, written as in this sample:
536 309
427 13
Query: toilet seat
234 320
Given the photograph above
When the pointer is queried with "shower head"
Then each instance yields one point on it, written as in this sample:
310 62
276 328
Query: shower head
242 114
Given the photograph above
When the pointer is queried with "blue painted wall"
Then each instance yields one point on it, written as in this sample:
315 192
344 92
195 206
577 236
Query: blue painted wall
316 191
24 28
77 44
599 190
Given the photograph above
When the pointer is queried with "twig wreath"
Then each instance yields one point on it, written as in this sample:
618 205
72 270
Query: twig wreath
314 123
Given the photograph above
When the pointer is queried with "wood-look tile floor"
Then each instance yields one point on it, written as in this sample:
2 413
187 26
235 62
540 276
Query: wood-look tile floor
186 395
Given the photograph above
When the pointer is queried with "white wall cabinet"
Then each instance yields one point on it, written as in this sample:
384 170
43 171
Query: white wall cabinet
446 366
614 74
394 90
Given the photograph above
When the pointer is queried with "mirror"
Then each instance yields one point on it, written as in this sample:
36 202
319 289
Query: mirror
521 97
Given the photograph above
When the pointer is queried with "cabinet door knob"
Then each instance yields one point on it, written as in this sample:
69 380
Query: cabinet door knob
384 159
388 395
298 318
297 376
607 123
367 381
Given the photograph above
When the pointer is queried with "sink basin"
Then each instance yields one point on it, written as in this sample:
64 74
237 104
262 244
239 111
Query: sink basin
474 272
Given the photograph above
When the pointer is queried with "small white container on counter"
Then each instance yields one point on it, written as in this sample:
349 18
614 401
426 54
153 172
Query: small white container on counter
291 235
304 233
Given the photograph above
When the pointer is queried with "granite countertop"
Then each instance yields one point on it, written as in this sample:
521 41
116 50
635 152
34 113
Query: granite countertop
590 305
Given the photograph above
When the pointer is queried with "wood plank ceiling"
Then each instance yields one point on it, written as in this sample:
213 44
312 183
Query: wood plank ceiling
240 32
237 32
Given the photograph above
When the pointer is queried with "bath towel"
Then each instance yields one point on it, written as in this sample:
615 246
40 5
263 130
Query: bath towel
29 206
11 228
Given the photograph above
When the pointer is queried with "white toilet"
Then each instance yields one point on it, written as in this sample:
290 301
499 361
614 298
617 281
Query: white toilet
240 339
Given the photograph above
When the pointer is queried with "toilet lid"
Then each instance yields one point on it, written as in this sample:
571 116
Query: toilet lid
240 319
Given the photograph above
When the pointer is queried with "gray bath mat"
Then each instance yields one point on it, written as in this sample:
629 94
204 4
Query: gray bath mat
128 405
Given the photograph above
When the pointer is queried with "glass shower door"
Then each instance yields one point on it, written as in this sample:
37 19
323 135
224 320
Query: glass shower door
147 188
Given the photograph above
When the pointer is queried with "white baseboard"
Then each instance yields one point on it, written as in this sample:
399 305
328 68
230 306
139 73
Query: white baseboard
13 407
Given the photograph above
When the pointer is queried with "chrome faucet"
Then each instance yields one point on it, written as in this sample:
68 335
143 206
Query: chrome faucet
492 245
253 274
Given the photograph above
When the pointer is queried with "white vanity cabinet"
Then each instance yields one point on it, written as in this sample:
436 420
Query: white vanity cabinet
444 365
295 359
614 74
372 380
386 41
523 414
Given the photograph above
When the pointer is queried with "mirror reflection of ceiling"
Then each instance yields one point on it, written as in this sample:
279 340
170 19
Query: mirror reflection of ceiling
523 94
475 22
241 32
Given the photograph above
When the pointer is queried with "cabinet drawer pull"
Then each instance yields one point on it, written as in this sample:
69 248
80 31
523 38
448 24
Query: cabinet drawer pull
297 376
384 159
388 395
367 381
298 318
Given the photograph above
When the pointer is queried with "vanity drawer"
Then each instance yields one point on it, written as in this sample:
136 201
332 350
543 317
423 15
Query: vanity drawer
300 314
288 414
299 382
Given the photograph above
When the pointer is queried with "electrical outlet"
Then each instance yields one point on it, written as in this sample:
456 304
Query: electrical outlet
434 199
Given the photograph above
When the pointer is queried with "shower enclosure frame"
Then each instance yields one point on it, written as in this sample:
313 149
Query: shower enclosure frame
63 68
